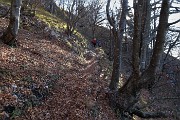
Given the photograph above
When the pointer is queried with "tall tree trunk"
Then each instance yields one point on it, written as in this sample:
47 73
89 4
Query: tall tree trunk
70 22
137 37
160 38
145 39
118 46
11 32
111 45
93 30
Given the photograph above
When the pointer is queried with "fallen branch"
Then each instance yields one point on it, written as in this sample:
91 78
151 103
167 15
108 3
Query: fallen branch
167 98
149 114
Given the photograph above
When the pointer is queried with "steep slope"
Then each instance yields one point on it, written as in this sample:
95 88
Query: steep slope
42 78
51 76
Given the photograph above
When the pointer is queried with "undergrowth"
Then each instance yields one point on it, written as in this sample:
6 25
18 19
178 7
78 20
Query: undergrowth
5 2
77 42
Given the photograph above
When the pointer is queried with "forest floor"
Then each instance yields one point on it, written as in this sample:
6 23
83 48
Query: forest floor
42 79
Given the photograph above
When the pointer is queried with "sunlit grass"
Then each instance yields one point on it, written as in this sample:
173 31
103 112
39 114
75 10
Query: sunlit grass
57 22
83 40
50 19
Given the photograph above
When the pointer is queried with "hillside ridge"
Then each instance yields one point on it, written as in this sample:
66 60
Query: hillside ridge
43 78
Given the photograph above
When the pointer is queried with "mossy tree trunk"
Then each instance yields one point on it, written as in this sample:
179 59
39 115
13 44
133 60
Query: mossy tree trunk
9 36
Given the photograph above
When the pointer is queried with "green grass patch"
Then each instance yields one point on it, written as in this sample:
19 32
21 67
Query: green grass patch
82 40
80 44
50 20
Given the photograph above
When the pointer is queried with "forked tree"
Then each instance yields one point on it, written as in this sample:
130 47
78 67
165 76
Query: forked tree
125 98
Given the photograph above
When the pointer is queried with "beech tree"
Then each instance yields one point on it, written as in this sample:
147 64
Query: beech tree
118 35
94 16
76 10
145 32
9 36
125 99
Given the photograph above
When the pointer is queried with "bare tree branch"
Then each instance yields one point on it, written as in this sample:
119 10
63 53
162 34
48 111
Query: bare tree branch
173 30
156 3
173 12
177 8
171 46
174 22
111 22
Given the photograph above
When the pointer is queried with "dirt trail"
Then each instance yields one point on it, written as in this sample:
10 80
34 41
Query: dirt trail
77 93
76 96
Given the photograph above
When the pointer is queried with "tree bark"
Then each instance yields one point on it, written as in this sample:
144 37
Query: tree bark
136 38
111 45
11 32
118 45
145 39
158 48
